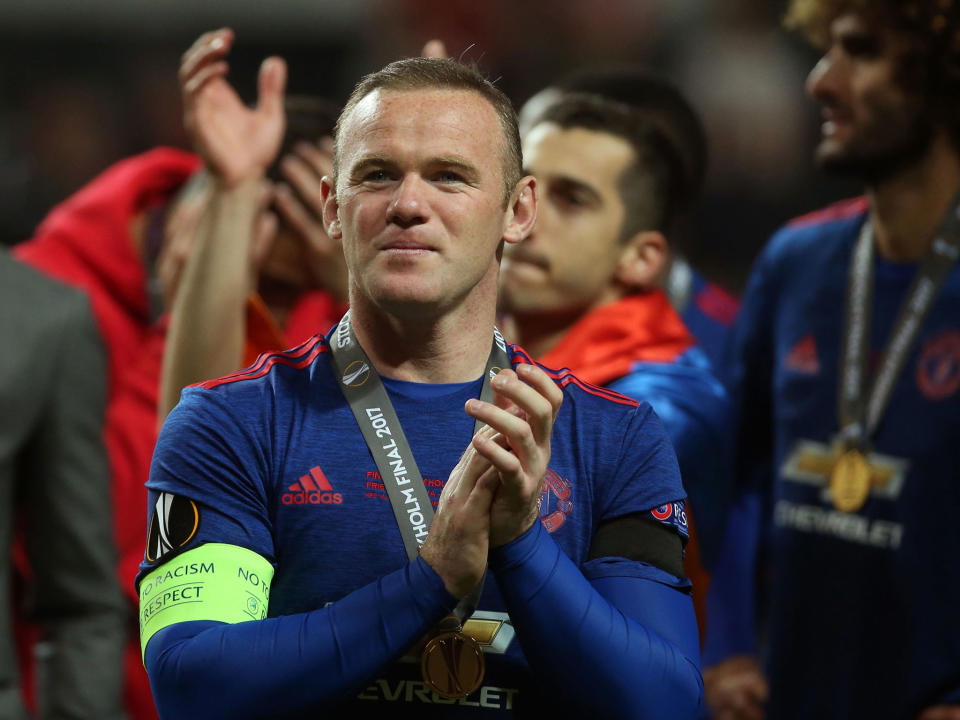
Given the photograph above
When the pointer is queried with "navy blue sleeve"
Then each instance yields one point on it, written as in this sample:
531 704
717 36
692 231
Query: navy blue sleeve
695 410
314 660
624 645
747 372
748 368
731 601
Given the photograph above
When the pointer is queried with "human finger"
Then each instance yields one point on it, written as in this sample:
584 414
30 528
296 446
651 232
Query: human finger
747 710
203 76
505 461
755 685
318 156
745 695
514 427
536 378
307 225
434 49
531 400
271 83
464 475
304 179
208 47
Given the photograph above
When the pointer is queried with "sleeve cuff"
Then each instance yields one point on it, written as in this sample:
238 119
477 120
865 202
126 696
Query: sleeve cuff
520 549
427 583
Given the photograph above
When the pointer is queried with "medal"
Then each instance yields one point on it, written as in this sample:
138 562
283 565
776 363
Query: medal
850 481
860 408
452 665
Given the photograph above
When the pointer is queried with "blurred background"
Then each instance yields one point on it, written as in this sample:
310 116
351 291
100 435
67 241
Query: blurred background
86 82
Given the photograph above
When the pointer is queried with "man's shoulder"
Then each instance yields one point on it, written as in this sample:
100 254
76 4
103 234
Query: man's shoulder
711 301
836 212
686 393
690 374
816 229
803 249
273 372
38 304
575 387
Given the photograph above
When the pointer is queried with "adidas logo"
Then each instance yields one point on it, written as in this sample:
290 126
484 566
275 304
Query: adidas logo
312 489
803 357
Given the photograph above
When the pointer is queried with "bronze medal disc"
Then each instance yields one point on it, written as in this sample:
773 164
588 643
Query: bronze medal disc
452 665
850 481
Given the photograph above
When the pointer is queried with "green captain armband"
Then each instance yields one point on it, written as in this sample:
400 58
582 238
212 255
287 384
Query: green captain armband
226 583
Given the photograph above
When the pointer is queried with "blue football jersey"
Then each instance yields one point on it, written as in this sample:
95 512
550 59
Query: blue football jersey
861 606
275 463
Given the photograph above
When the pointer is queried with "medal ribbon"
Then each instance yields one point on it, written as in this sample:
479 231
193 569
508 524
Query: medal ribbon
371 406
859 415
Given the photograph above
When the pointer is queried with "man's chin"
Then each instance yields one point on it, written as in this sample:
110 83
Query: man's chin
832 158
874 162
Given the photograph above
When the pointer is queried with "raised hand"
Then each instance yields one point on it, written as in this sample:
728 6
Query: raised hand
237 143
526 403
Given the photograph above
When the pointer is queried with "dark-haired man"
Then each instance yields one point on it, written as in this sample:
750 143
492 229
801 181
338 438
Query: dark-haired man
314 473
847 374
705 307
582 291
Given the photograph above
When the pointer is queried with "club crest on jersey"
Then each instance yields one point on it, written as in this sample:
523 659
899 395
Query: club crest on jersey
356 374
555 502
173 524
313 488
938 368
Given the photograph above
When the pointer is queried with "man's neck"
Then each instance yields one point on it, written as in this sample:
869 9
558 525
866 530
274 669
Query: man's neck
539 333
906 210
450 348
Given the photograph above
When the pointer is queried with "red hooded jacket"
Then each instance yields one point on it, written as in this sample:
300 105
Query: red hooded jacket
86 242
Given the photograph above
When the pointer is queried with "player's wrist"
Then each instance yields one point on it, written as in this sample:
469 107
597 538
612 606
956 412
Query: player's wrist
453 571
516 550
238 179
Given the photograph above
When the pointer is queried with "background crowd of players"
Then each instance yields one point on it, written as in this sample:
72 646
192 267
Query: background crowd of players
813 598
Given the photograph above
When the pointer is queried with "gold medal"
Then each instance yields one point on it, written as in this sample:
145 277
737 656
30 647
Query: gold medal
850 481
452 665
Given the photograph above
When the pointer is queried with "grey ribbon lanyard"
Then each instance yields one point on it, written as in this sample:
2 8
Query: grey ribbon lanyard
860 414
371 406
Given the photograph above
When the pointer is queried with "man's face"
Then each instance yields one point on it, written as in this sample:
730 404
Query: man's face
871 126
420 198
567 264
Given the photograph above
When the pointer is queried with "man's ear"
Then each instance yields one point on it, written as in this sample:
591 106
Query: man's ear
642 261
521 213
331 208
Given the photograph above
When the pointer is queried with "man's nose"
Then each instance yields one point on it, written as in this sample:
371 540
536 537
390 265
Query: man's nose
821 81
408 206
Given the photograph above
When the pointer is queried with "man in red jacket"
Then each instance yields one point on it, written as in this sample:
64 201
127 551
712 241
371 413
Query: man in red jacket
128 240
